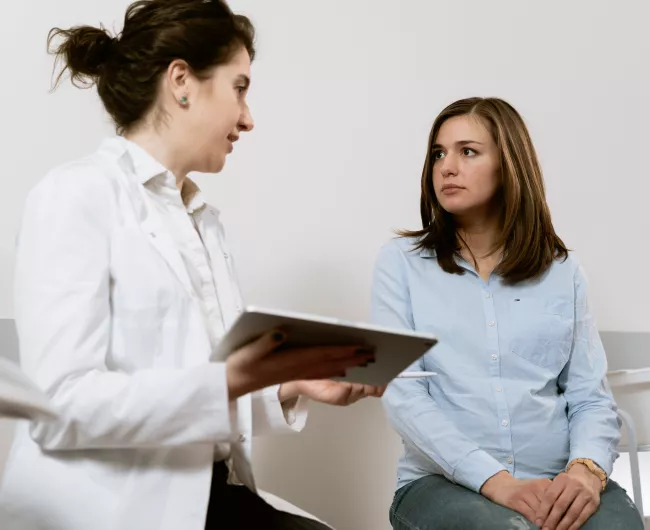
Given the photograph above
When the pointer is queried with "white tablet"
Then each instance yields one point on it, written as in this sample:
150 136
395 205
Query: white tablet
395 349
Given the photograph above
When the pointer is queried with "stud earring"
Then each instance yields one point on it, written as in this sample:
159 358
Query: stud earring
183 101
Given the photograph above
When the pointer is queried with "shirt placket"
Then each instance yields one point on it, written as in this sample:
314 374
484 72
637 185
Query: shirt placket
493 351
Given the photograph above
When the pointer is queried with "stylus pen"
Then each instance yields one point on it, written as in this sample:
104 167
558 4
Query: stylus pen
415 375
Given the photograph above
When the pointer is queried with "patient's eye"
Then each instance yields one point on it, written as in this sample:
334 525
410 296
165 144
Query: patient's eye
438 154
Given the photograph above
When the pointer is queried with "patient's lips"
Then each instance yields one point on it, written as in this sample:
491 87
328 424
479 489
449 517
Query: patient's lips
451 189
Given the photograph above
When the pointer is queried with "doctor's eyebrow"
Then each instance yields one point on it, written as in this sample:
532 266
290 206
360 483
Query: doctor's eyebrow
244 80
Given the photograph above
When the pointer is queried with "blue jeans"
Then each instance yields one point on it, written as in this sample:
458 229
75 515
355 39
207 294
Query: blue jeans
434 503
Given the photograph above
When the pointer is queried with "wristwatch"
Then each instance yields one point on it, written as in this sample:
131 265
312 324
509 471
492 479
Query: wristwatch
591 466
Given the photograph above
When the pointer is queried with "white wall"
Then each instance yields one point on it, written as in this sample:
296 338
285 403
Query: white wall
344 94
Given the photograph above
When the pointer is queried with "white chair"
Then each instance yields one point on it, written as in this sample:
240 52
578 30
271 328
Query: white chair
285 506
628 355
631 389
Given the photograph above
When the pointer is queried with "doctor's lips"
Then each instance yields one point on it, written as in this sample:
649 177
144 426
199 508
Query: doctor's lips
232 139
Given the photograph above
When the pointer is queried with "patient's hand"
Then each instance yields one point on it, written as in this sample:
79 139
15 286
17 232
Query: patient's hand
330 392
522 496
570 501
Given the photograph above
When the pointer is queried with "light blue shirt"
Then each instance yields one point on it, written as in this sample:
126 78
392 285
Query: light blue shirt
521 384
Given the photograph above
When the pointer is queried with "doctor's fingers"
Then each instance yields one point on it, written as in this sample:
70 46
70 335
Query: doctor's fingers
272 340
303 364
267 343
348 355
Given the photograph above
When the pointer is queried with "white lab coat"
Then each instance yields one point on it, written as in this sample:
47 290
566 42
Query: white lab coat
111 330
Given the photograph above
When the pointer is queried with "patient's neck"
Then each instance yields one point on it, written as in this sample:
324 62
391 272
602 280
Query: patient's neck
479 241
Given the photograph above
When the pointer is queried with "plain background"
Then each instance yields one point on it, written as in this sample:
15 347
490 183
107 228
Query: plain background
344 93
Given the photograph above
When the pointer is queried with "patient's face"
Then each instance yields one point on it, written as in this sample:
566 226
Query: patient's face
466 166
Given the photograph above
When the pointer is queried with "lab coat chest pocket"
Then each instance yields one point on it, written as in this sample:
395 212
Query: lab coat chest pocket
144 294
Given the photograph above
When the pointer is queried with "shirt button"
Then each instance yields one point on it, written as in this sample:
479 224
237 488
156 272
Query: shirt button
226 255
494 357
491 324
241 438
498 389
504 423
509 460
487 295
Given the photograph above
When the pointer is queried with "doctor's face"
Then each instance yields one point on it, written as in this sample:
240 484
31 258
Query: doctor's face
217 113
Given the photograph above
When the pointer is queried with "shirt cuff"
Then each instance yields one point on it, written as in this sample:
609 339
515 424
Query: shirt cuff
269 415
475 469
603 459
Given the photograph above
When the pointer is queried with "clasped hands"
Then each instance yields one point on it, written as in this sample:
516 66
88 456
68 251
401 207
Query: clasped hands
564 503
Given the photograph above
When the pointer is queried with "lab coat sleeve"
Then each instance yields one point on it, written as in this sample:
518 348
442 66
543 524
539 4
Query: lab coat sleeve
63 318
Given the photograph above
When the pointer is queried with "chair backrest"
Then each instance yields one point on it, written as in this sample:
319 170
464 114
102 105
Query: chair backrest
626 350
8 339
9 350
628 356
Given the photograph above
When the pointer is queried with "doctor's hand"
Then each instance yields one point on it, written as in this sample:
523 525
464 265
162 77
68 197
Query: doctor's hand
261 364
329 392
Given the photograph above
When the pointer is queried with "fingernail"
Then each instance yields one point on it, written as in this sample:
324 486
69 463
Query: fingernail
538 522
278 336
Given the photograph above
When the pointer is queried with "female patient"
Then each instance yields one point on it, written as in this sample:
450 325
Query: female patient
519 429
124 288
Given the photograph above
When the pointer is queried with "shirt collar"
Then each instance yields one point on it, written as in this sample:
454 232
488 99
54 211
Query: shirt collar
432 254
192 196
146 168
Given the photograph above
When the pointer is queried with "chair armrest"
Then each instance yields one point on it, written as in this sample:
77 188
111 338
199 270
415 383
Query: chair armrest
622 378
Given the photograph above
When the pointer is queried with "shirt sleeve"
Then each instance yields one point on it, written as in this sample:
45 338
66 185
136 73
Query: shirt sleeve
410 408
594 426
270 416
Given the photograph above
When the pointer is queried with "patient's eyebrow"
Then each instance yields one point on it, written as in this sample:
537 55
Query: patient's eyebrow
459 143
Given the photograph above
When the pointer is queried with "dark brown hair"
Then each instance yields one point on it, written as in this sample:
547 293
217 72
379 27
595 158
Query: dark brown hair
127 68
527 238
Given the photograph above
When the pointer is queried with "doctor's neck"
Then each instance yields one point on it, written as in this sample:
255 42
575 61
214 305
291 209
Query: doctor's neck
160 142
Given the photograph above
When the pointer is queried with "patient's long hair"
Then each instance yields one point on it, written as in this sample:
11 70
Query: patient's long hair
528 239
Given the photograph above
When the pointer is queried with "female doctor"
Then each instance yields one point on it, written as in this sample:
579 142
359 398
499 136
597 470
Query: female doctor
124 287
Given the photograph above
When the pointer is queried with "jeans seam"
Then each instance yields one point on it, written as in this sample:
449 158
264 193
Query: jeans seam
403 521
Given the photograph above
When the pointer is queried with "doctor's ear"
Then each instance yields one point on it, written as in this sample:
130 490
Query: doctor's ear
180 82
